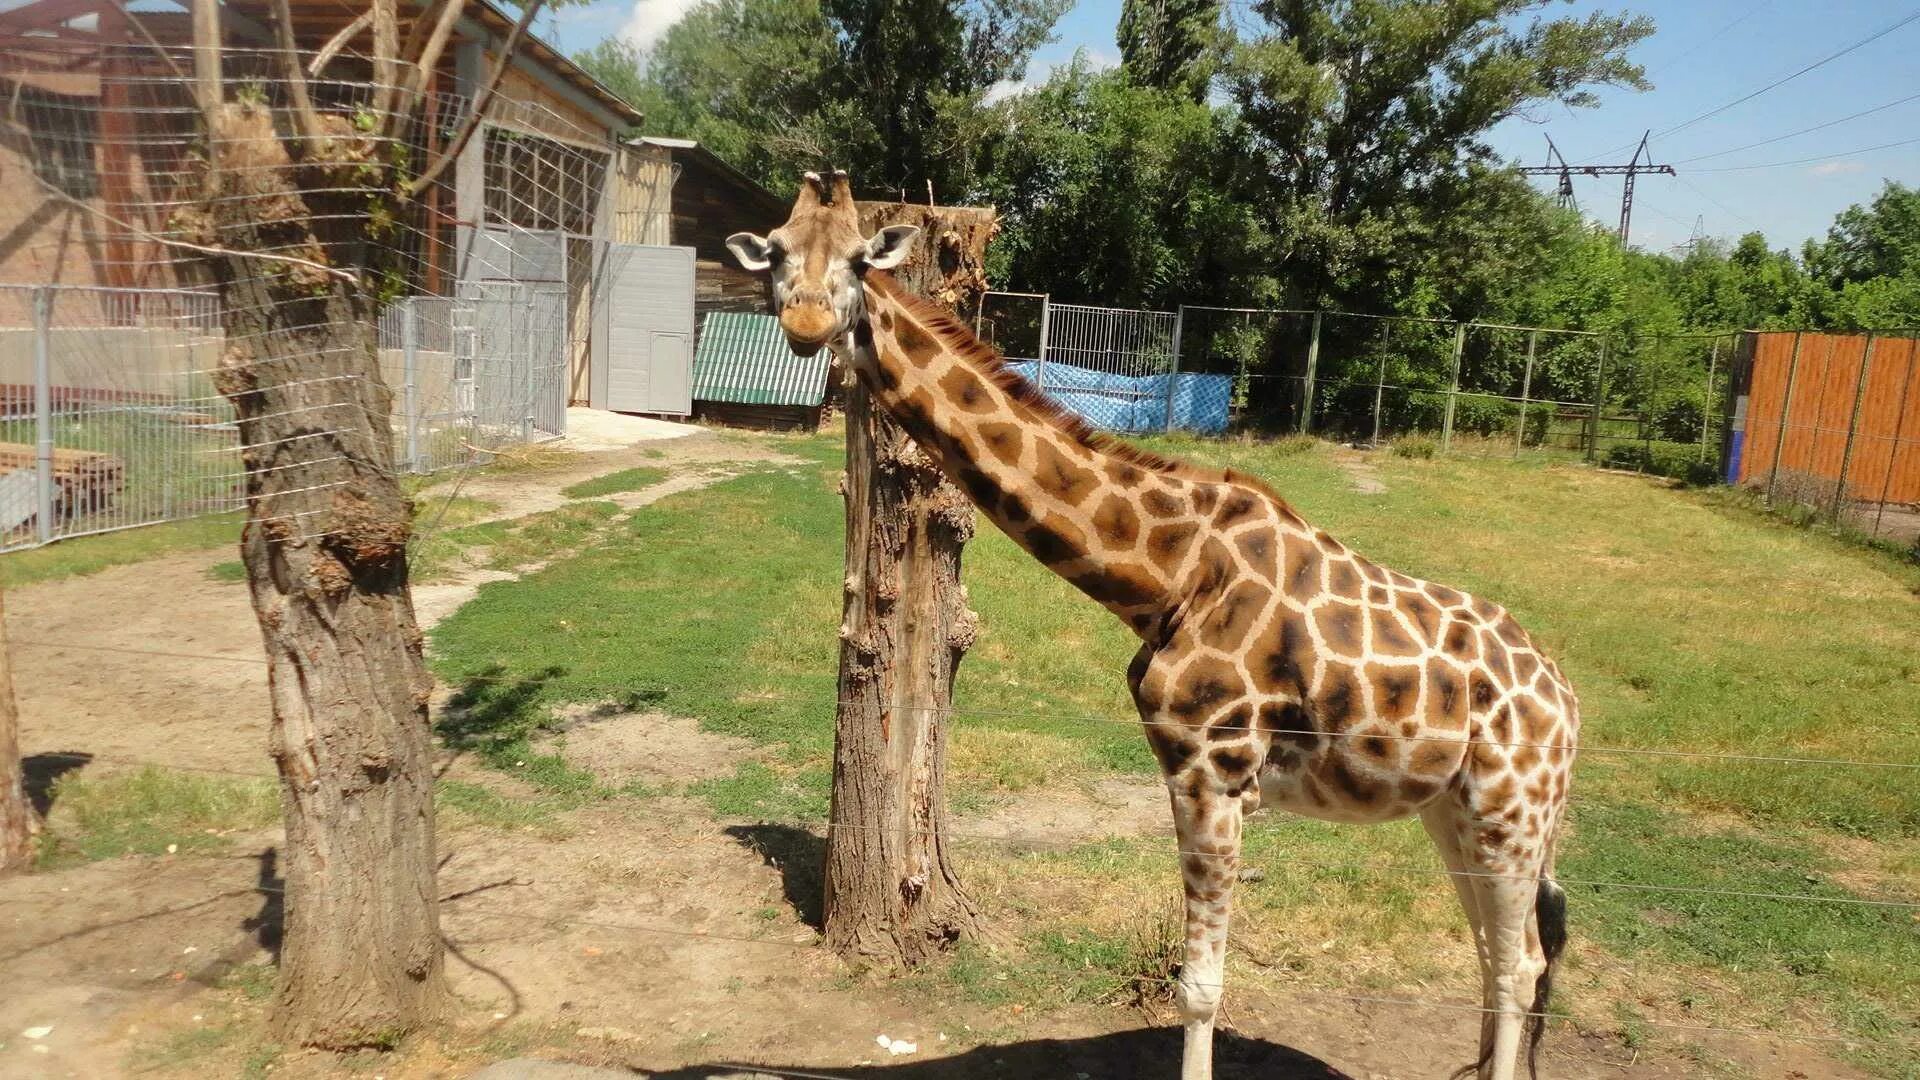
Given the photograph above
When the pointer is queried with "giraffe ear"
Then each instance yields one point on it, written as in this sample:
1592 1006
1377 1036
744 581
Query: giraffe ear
754 252
890 246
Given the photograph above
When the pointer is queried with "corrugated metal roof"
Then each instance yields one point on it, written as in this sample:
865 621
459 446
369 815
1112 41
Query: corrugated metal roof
744 359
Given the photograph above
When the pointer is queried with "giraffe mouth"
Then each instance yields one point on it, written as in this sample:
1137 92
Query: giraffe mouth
803 348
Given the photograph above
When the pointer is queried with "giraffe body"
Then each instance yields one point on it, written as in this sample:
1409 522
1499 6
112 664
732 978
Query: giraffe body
1277 668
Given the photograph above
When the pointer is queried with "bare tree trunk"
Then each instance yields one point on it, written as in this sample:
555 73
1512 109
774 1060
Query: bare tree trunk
325 550
16 814
892 895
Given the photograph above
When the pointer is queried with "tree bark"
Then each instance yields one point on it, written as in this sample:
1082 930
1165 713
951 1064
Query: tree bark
16 813
325 550
893 897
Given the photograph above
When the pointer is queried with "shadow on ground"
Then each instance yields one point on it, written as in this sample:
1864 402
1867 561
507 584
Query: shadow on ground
1145 1052
40 772
801 858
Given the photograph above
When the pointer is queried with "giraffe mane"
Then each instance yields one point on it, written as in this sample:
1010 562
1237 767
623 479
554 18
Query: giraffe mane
959 338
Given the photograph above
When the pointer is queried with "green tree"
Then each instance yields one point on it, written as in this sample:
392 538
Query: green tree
1166 43
1117 193
891 90
752 80
1366 116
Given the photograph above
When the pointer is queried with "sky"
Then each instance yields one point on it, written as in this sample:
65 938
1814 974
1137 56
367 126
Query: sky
1703 55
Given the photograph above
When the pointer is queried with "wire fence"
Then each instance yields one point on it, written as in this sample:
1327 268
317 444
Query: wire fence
112 331
109 417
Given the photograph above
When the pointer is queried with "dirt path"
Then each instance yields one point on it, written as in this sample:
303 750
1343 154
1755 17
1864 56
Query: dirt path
205 705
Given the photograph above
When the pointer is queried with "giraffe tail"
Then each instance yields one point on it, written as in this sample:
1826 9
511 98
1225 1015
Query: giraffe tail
1550 910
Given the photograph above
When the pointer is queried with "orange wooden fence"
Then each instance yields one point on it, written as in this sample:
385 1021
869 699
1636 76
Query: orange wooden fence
1849 415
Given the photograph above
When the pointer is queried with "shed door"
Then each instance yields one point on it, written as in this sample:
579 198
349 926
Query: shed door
650 329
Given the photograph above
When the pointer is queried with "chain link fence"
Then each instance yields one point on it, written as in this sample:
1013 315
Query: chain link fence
112 420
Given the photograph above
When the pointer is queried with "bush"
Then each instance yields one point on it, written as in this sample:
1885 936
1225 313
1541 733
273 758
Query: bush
1679 460
1415 446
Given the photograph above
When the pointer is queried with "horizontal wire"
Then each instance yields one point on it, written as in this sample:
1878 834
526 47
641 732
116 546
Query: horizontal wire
1584 748
905 832
462 907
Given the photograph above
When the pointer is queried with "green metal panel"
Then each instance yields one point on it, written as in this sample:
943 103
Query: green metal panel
744 359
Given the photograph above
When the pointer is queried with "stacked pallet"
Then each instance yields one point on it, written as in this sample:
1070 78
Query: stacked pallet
85 481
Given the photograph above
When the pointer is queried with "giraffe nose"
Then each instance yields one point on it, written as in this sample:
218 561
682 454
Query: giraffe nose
811 324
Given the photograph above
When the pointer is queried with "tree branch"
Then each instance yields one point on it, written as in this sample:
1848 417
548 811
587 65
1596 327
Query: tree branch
305 120
429 60
386 61
339 41
478 110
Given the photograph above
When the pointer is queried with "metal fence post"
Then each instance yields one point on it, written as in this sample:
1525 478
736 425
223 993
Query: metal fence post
526 360
1599 395
1453 384
1173 375
1040 365
43 411
1780 426
1313 365
409 384
1853 424
1706 403
1380 378
1526 391
1646 406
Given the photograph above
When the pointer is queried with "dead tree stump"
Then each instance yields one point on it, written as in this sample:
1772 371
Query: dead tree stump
893 897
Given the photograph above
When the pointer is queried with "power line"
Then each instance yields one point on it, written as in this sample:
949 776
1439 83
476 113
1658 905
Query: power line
1814 158
1777 83
1802 131
1711 38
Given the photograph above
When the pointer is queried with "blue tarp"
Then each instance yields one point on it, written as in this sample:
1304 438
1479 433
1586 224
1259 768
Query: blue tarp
1134 404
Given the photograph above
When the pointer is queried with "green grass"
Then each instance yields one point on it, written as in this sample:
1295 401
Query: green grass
228 571
104 816
92 554
1685 621
614 483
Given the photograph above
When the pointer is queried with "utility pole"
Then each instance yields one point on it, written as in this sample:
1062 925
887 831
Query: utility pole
1630 170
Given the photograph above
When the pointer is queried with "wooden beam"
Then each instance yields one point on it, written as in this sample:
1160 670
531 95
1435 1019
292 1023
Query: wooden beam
117 161
206 57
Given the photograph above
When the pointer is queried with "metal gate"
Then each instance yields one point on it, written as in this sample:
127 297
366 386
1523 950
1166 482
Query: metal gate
1112 366
510 359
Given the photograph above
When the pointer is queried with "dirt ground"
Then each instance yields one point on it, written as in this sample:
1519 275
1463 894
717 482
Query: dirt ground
641 935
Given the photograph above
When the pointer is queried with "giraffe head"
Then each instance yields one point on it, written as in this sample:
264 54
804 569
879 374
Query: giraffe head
816 261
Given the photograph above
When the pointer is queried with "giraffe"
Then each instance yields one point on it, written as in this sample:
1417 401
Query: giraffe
1276 667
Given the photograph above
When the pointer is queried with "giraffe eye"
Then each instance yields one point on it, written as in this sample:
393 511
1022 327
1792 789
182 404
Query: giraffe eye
776 254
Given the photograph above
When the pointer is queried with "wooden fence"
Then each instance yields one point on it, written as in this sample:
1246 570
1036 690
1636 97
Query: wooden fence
1830 420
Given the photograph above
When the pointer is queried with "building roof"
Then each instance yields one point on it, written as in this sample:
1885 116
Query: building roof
690 150
499 22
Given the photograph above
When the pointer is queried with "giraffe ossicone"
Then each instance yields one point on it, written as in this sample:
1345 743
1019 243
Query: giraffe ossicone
1277 668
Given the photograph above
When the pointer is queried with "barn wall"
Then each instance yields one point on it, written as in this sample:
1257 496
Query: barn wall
710 204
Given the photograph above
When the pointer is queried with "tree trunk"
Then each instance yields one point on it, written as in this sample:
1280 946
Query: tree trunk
892 895
16 813
325 549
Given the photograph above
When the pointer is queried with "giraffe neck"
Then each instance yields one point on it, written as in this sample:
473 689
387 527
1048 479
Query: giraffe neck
1096 515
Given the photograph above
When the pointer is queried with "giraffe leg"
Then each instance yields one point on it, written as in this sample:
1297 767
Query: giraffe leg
1507 880
1207 823
1440 824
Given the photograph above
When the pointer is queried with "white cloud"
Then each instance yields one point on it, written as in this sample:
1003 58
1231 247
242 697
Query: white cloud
651 19
1838 168
1096 60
